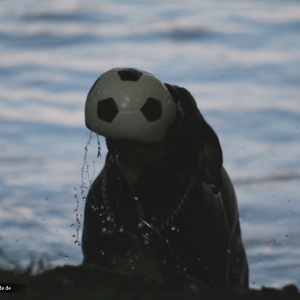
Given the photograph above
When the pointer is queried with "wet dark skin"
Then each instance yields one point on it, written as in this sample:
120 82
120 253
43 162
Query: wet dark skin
129 213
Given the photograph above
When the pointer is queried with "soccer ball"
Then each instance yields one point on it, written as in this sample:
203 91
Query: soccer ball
130 104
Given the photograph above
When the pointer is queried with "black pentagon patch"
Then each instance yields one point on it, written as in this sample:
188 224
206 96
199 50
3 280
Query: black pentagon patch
130 74
152 109
107 109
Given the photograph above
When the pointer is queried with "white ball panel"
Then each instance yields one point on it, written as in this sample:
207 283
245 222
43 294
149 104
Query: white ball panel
91 111
129 124
128 96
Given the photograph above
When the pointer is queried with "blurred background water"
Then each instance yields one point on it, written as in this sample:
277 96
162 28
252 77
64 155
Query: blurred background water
240 60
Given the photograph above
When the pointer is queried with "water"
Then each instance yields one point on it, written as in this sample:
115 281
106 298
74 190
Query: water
240 60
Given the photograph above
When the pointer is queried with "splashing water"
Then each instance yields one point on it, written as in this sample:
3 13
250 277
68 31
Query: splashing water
85 176
85 167
99 147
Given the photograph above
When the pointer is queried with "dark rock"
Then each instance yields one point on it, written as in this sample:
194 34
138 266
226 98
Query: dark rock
91 282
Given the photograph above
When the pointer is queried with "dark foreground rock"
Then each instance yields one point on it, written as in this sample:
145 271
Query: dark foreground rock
87 282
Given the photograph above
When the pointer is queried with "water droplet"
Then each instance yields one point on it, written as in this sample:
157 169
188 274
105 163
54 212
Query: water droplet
104 229
102 252
72 225
167 241
173 228
73 235
66 257
99 147
136 198
77 243
184 269
121 229
140 225
146 242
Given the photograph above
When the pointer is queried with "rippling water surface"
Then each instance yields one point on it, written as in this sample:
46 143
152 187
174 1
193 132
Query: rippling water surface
240 60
